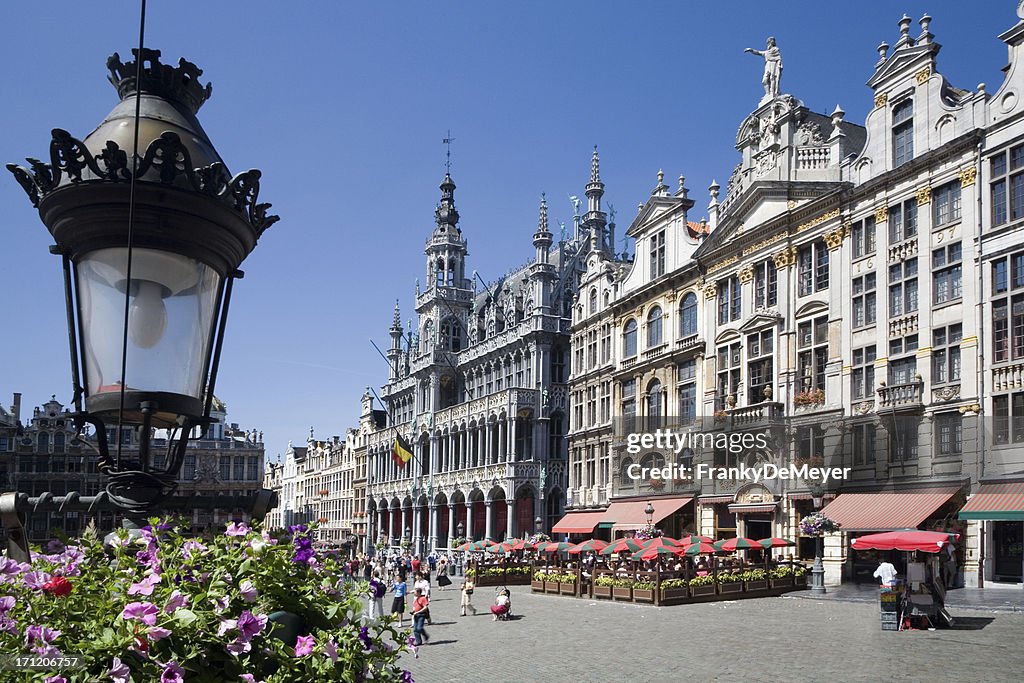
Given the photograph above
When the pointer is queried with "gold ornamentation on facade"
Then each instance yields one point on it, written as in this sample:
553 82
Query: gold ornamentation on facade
881 99
968 176
973 408
785 258
924 195
724 263
711 290
746 274
818 221
923 75
764 243
834 239
881 214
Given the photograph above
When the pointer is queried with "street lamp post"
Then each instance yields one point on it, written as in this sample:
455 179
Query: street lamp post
460 529
818 569
649 511
151 229
538 524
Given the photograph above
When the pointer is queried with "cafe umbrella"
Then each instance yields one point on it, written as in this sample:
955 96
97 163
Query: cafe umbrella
697 549
654 552
662 542
775 542
593 545
687 540
733 544
621 546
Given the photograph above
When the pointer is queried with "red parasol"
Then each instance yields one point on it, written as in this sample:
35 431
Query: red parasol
907 539
593 545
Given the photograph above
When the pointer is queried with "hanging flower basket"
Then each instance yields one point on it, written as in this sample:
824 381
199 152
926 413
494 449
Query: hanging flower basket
817 524
646 533
810 397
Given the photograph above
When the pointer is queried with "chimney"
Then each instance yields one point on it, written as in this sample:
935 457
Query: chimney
16 408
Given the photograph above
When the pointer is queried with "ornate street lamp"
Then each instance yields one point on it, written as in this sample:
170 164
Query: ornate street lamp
151 229
538 524
818 569
460 530
649 511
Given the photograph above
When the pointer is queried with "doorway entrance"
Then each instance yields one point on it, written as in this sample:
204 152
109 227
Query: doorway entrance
1008 555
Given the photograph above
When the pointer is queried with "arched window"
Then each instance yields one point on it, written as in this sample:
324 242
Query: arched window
652 461
440 273
654 327
593 301
655 405
624 478
629 339
428 336
451 335
688 315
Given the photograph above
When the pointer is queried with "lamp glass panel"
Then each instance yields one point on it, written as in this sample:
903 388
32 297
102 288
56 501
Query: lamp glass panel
171 309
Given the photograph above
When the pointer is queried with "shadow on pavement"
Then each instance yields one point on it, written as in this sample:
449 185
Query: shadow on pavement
971 623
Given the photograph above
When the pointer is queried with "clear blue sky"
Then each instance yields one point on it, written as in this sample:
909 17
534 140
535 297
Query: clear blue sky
343 106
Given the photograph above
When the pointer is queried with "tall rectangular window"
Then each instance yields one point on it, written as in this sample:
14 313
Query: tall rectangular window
687 391
863 375
760 354
1007 185
903 132
812 262
629 405
1008 310
903 441
946 353
863 444
728 375
903 288
947 273
1008 417
812 354
903 370
729 304
946 204
766 284
862 236
658 254
865 305
949 433
903 221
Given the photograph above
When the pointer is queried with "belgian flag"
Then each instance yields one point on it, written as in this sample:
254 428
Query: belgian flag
401 452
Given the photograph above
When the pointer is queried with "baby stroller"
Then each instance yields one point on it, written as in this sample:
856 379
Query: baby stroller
502 607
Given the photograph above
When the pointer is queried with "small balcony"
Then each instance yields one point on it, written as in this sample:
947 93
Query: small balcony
689 343
900 397
765 412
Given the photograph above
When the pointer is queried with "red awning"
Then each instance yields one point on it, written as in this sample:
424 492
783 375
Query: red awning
1001 502
578 522
711 500
888 510
744 508
927 541
631 514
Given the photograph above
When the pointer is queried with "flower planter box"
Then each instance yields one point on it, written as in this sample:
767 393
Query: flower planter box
675 594
754 586
781 584
567 588
728 588
537 586
643 595
603 592
800 581
551 587
622 593
701 591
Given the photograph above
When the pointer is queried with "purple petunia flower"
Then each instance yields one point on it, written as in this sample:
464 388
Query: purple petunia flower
7 624
157 633
248 591
119 671
238 647
177 600
188 548
145 587
143 611
331 650
220 604
172 673
249 678
40 634
304 646
406 677
237 529
55 679
365 639
298 528
35 580
6 604
250 625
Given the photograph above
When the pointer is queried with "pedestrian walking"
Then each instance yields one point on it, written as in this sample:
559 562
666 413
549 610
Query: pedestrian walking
467 597
377 590
442 575
420 607
424 586
399 588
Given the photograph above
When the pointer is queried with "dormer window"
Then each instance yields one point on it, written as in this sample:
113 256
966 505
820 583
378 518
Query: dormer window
903 132
658 254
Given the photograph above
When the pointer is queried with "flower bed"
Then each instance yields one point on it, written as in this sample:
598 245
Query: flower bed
755 580
674 590
622 589
730 583
163 607
603 587
702 586
516 575
643 591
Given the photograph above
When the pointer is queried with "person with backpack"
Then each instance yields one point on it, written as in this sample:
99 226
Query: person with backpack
377 590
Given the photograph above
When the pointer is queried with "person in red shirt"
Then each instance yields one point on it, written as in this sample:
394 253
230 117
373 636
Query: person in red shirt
416 564
420 604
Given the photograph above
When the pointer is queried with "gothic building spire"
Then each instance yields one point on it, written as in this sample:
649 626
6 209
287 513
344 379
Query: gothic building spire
446 215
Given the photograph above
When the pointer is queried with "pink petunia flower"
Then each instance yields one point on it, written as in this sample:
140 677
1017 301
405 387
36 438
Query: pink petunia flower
145 612
172 673
248 591
177 600
331 650
119 671
157 633
146 586
304 646
237 529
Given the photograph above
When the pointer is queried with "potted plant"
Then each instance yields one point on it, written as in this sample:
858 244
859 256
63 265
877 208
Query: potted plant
537 581
567 584
728 582
781 577
551 583
643 591
702 585
800 577
622 589
809 397
603 587
755 580
674 589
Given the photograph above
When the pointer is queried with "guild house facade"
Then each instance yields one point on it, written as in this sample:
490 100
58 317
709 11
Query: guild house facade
857 292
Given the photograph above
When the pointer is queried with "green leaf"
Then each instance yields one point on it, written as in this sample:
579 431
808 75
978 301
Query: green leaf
244 567
184 616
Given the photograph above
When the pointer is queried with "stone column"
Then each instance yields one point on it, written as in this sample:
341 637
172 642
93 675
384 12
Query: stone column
512 440
433 526
489 523
503 440
469 520
510 519
405 523
451 523
417 520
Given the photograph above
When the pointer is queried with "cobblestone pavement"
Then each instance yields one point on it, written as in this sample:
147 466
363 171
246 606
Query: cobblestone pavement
553 639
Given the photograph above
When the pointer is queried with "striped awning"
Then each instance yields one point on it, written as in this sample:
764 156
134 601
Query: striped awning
746 508
631 514
711 500
578 522
888 510
1000 502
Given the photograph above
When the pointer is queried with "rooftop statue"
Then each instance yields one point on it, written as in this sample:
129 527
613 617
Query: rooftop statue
772 69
